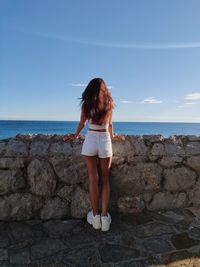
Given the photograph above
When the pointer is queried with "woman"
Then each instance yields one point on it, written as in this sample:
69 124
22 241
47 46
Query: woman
96 107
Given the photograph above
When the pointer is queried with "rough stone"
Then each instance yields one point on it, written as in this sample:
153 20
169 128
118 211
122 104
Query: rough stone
147 172
12 163
134 204
153 138
18 206
179 179
65 192
139 146
16 148
193 138
68 173
123 148
143 177
3 254
194 163
54 208
194 194
80 203
170 161
11 181
60 149
39 148
173 150
41 178
20 256
157 149
193 148
167 200
2 148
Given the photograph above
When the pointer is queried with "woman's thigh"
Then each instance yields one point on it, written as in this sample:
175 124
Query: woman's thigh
105 165
91 163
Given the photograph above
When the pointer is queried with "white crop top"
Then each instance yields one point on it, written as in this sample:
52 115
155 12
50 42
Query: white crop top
96 126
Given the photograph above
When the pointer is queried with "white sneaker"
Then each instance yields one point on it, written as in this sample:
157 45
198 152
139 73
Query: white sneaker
94 220
105 222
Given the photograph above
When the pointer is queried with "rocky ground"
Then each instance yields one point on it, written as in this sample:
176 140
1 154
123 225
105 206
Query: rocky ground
151 238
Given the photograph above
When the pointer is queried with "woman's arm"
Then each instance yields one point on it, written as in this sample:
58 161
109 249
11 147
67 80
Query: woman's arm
110 127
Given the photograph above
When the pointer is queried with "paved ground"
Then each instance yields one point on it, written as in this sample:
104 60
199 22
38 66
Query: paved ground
167 238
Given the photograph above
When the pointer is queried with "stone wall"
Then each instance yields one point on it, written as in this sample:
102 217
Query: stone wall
43 177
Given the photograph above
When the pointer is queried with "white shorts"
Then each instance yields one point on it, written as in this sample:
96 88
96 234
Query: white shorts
97 143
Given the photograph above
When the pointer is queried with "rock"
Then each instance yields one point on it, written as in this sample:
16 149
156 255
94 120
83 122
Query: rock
65 192
54 208
18 206
193 148
11 181
173 150
123 149
146 171
128 180
139 147
154 229
16 148
20 256
39 148
167 200
116 160
193 138
170 161
194 194
153 138
46 248
12 163
2 147
60 149
179 179
41 178
76 150
182 241
157 149
61 228
194 163
134 204
136 159
20 232
80 204
67 172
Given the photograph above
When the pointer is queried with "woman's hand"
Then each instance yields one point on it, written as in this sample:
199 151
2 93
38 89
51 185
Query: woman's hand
117 137
70 136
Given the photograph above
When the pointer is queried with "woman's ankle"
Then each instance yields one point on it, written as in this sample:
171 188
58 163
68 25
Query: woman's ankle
95 213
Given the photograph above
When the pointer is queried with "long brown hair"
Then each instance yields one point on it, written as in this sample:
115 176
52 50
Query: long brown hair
91 105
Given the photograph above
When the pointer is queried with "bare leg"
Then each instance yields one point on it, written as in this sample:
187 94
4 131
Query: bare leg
91 162
105 164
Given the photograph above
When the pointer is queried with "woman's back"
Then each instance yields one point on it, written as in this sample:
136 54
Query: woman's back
97 126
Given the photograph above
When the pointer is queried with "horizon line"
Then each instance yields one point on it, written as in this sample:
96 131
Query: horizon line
113 121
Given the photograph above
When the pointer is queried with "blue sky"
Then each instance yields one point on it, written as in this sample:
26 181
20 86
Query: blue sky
148 53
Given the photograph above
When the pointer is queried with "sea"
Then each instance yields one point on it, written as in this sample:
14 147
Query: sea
9 128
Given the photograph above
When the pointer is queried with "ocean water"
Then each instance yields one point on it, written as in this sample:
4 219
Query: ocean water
9 128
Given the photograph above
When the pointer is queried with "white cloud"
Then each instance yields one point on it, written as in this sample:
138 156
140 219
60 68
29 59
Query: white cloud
105 43
192 96
190 103
79 84
85 84
125 101
151 100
